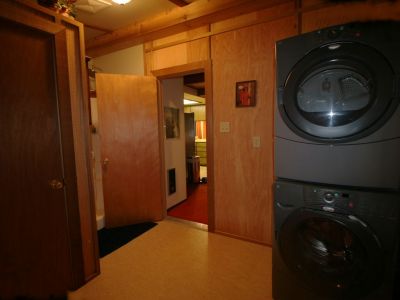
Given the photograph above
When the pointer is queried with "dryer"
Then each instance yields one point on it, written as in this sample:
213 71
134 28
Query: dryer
337 118
334 243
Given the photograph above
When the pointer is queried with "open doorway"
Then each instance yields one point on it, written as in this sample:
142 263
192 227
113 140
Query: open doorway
196 184
194 206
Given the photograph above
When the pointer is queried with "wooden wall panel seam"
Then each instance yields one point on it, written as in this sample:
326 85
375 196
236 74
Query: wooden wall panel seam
213 32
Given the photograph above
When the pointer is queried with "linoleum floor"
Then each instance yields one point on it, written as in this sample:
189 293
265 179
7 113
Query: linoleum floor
177 261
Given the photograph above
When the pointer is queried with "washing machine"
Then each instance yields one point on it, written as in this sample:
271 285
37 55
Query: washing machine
337 118
333 243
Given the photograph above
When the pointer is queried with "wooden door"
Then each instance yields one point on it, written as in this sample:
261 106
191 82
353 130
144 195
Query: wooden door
130 149
34 247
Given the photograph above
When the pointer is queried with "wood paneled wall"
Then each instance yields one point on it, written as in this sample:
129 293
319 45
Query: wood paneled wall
243 48
243 174
179 49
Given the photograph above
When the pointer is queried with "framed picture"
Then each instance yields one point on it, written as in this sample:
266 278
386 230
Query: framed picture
171 116
246 93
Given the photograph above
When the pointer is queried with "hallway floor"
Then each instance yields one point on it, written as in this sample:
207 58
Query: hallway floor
177 261
195 207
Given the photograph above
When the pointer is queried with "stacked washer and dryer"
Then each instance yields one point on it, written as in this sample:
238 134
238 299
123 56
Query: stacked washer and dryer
337 163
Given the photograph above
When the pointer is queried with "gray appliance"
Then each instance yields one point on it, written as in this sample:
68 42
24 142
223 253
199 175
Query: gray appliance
335 244
337 118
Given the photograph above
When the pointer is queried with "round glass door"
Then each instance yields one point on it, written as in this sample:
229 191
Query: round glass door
333 255
338 93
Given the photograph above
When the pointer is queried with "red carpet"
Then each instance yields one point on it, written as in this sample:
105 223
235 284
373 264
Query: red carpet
195 207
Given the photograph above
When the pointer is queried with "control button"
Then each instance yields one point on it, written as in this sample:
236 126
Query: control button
336 194
329 197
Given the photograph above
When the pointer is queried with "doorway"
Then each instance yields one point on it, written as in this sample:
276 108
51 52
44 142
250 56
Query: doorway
187 190
197 202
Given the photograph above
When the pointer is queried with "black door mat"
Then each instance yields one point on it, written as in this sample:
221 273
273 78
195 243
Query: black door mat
110 239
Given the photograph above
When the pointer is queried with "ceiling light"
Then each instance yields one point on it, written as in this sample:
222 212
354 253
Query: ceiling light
92 6
189 102
121 2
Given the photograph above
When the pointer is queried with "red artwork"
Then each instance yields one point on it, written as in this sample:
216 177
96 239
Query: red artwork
246 93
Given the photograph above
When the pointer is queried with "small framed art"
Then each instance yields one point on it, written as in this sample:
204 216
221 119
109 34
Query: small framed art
171 122
246 93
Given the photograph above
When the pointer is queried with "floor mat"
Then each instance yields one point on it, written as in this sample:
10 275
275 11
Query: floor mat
110 239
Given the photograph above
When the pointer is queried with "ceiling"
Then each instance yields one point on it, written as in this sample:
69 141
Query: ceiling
104 16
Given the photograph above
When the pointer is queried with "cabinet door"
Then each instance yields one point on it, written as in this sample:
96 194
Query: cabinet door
36 178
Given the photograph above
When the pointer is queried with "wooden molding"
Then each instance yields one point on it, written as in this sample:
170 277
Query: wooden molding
179 2
180 19
98 28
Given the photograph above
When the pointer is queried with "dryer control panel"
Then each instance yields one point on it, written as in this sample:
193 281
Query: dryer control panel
351 201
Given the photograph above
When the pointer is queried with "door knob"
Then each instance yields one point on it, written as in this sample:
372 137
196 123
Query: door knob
105 162
56 184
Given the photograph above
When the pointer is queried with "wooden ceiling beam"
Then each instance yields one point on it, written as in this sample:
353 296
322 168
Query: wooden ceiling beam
98 28
180 3
196 14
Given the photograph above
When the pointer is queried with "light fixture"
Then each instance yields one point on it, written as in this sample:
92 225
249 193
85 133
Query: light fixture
121 2
189 102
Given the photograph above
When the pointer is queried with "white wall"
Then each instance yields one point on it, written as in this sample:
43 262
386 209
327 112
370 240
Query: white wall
126 61
175 157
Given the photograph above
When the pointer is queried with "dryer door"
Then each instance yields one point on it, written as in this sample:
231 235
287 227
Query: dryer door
336 256
338 93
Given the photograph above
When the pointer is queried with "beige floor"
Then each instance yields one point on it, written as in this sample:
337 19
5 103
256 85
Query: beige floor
176 261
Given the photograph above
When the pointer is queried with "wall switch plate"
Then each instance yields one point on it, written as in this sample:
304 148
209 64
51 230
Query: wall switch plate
224 127
256 141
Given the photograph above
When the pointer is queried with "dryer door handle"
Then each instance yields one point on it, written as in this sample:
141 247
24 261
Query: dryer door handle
284 205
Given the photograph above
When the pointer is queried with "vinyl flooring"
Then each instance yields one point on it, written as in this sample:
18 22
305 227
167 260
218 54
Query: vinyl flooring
177 261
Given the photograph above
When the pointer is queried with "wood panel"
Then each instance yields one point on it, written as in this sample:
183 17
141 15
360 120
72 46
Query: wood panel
256 17
87 249
130 141
198 50
180 54
178 38
344 13
168 57
313 3
243 174
197 14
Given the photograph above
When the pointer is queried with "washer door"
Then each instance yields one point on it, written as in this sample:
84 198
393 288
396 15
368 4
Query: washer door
334 255
338 93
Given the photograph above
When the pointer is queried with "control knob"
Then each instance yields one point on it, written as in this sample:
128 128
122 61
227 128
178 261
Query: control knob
329 197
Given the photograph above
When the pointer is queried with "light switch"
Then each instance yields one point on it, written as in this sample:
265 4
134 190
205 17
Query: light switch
224 127
256 141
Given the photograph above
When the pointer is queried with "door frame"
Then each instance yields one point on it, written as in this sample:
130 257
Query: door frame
179 71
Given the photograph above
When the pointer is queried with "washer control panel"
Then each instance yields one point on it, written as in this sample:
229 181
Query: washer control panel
330 200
